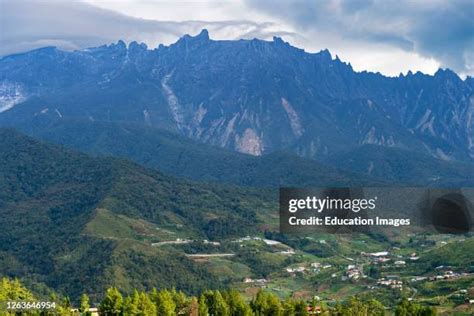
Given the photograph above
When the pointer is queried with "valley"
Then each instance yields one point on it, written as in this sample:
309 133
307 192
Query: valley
194 235
125 169
422 267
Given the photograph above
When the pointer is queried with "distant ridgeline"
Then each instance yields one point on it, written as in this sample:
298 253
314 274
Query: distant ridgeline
251 96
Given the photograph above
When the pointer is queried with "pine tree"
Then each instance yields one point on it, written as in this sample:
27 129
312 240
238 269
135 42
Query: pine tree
203 308
84 305
181 301
145 305
165 304
13 290
218 306
236 303
274 307
112 303
288 307
259 304
267 304
130 305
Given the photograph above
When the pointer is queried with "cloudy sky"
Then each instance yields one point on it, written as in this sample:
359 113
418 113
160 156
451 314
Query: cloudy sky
390 36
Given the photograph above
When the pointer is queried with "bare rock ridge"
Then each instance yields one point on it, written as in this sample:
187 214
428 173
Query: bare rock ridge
252 96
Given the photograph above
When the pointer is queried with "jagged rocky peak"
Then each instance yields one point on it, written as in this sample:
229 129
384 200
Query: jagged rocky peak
446 74
254 96
325 55
137 46
120 45
202 37
279 41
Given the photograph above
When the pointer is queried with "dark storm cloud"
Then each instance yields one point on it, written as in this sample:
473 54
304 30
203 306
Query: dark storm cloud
25 25
441 29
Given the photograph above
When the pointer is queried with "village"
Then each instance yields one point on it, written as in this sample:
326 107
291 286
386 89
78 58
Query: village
391 269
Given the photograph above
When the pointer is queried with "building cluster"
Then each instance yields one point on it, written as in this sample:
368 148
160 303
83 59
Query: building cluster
390 282
295 269
314 267
354 272
445 276
256 282
382 257
288 252
377 257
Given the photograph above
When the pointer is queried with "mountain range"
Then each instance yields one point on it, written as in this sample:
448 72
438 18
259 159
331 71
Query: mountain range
172 107
124 149
251 96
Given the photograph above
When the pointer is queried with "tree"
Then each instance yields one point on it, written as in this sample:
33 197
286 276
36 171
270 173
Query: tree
216 304
130 305
203 308
84 305
356 307
289 307
374 272
181 302
375 308
165 304
145 305
13 290
340 310
237 305
407 308
267 304
259 304
112 303
274 307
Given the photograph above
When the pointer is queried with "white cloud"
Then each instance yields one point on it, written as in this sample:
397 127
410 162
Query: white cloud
423 31
373 35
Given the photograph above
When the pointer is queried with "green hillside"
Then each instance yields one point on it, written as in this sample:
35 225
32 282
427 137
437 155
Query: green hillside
396 165
76 223
454 253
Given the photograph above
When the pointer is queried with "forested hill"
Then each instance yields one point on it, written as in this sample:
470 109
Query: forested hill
72 222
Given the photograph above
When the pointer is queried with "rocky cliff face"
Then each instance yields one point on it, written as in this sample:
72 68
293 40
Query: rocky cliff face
251 96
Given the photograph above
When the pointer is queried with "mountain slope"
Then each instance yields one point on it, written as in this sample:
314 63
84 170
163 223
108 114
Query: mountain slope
251 96
367 165
77 223
396 165
180 156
